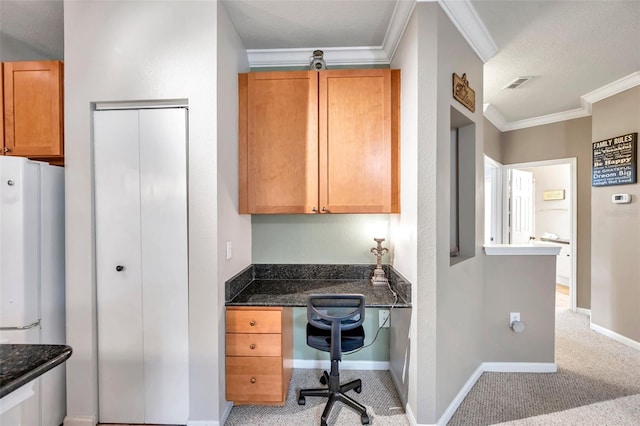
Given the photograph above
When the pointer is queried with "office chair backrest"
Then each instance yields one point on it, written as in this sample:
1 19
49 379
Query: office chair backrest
335 312
344 310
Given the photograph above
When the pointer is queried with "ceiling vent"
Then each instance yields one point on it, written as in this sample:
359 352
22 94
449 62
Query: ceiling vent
517 82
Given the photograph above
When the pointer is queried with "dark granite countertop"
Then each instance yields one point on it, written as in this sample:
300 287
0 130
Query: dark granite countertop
20 364
290 285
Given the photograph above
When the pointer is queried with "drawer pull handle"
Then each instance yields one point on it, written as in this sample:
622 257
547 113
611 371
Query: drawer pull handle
252 346
253 380
252 323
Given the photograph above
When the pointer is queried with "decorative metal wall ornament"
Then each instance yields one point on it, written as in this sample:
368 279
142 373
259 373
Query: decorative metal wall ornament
463 93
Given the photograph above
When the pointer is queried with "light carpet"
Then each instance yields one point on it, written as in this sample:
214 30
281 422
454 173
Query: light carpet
592 369
378 395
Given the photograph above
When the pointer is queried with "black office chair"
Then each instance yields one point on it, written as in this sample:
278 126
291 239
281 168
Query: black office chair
335 326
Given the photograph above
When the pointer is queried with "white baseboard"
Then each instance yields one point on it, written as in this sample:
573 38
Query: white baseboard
203 423
584 311
520 367
615 336
80 421
493 367
453 406
307 364
226 412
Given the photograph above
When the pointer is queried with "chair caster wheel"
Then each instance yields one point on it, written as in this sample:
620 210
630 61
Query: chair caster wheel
323 423
301 400
323 380
358 390
364 419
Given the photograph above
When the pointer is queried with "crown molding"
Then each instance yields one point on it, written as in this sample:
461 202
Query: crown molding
492 114
340 55
466 19
610 89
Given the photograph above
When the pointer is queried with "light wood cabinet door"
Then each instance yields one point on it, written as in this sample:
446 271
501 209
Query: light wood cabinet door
355 141
319 142
278 142
33 109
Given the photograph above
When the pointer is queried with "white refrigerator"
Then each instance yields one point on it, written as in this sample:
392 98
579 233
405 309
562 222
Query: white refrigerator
32 299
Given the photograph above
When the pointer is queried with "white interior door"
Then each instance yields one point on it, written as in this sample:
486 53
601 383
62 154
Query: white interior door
141 252
522 205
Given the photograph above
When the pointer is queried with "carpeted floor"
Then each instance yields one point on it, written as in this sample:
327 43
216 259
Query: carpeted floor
592 369
597 383
378 395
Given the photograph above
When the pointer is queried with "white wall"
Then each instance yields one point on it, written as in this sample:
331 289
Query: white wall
552 216
148 50
233 227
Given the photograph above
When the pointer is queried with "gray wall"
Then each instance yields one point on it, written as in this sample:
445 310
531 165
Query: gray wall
492 141
615 230
444 328
562 140
459 287
524 284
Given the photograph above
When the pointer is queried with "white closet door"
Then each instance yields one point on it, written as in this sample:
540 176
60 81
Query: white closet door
119 293
141 226
163 204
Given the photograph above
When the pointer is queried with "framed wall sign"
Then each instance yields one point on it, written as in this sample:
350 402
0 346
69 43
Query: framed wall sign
615 160
463 93
553 194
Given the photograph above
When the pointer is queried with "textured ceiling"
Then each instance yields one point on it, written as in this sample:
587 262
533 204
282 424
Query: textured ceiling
268 24
35 25
571 48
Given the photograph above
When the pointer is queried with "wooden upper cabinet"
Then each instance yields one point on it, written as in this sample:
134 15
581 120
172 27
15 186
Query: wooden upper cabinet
319 142
278 142
33 109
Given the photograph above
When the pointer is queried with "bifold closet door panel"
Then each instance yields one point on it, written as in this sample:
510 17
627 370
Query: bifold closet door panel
163 205
141 250
121 372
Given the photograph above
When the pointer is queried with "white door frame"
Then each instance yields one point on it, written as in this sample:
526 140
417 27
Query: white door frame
572 162
496 221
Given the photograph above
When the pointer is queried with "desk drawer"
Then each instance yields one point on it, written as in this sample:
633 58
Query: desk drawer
254 320
252 344
255 380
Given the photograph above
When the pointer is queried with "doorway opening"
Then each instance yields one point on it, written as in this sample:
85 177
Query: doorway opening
540 204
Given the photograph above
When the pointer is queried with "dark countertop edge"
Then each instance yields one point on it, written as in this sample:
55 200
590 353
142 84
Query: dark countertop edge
35 372
399 305
246 277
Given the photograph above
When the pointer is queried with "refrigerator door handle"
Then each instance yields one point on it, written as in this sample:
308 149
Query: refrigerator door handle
24 327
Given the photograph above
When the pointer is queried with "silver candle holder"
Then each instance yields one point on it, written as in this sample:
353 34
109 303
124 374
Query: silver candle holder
379 277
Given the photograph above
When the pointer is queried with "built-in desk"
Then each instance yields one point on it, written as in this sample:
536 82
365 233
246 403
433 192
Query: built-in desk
290 285
259 323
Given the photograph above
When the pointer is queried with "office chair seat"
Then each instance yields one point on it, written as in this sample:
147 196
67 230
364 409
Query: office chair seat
335 326
321 339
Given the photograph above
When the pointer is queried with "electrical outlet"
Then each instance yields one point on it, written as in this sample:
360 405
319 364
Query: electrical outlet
229 250
383 314
514 316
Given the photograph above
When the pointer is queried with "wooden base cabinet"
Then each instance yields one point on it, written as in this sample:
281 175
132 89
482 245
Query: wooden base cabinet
259 354
319 142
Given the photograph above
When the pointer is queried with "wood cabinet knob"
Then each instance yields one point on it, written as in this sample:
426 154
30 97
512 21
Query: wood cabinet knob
252 323
253 380
7 149
252 346
314 209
